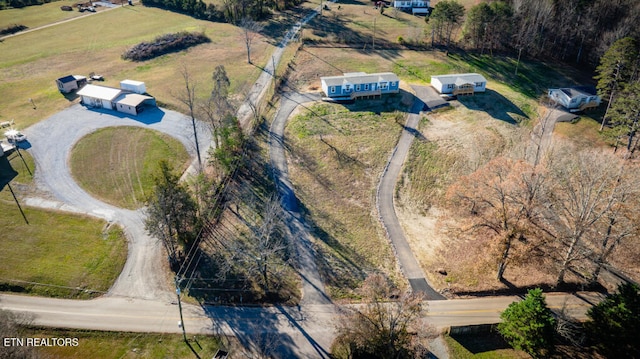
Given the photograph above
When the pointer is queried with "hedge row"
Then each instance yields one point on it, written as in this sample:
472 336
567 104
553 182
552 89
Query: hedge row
165 44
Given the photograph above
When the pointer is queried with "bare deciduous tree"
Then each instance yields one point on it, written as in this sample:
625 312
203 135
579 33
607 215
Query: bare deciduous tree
250 30
188 98
387 325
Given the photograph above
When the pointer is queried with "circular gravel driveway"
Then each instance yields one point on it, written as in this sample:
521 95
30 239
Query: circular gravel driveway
51 142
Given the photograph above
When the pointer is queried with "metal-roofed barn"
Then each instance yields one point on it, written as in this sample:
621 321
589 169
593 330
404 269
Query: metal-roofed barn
122 100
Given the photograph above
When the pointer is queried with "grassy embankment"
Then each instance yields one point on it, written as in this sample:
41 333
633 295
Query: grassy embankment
126 158
107 345
67 253
337 154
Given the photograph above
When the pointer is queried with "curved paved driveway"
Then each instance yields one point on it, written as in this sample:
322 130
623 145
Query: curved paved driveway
52 141
387 212
312 286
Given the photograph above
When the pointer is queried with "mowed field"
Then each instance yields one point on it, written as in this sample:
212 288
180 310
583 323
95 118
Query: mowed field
30 63
127 159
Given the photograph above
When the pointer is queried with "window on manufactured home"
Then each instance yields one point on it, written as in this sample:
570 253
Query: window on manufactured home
366 87
332 89
479 84
451 86
357 87
383 85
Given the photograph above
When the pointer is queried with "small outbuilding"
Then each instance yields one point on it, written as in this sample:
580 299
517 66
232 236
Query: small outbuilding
575 99
71 82
133 86
459 84
99 96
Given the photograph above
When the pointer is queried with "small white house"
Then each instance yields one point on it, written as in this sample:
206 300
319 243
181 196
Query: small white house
575 98
459 84
71 82
414 6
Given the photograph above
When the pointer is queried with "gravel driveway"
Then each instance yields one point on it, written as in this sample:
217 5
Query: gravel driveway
51 142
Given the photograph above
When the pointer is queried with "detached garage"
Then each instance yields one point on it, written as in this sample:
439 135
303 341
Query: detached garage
133 103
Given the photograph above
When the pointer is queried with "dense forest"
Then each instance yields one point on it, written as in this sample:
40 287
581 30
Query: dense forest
576 31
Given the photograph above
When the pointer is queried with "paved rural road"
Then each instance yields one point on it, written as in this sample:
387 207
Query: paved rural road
51 142
313 287
386 208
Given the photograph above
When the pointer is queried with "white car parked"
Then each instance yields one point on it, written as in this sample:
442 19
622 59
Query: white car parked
15 136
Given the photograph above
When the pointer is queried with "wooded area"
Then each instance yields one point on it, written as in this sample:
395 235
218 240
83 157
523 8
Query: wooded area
575 31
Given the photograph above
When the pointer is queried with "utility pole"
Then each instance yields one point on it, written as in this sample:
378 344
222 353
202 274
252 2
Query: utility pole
374 33
184 333
18 203
273 64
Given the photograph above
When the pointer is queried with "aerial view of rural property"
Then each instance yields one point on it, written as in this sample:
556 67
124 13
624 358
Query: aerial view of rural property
344 179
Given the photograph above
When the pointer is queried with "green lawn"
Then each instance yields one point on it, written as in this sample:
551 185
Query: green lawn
337 154
58 249
127 159
108 345
481 346
39 15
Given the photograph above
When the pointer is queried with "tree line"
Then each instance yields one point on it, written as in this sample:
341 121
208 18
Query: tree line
231 11
572 30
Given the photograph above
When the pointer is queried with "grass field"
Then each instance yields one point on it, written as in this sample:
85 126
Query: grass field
95 44
127 158
337 154
59 250
108 345
34 16
481 346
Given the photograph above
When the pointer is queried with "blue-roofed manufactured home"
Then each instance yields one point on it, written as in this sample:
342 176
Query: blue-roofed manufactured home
354 85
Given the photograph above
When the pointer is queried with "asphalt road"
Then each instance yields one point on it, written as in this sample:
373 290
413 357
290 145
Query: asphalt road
51 142
313 323
386 209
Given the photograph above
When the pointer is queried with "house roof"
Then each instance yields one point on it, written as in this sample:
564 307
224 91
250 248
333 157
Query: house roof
71 78
100 92
131 82
359 78
459 78
132 99
579 91
66 79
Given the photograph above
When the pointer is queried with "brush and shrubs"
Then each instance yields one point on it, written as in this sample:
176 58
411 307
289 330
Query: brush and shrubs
165 44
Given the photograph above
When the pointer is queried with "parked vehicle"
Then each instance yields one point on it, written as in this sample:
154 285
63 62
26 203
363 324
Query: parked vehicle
15 136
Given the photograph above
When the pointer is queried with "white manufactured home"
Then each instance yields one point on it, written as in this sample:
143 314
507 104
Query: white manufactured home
578 98
459 84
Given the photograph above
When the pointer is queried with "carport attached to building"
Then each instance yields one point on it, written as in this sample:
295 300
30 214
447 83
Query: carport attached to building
133 103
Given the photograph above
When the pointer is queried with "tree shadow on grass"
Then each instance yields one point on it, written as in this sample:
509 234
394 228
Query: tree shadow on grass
495 105
533 78
489 339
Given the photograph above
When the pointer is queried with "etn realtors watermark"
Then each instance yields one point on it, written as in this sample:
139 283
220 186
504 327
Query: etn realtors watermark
39 342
